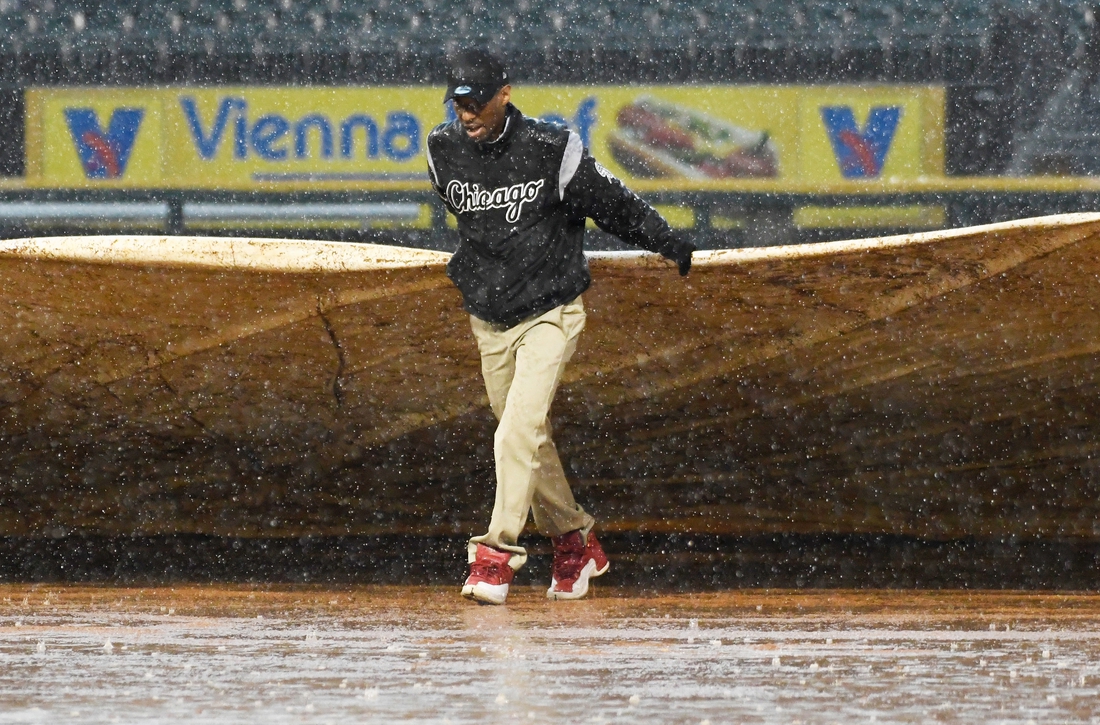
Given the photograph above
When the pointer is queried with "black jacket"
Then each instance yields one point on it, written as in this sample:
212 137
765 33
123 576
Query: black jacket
521 204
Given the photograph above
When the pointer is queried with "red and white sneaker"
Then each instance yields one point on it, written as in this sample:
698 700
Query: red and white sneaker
489 577
576 560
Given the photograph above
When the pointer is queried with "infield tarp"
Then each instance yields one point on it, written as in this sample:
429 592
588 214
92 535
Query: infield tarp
940 385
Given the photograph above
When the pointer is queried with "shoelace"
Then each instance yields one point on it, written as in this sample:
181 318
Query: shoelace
568 561
485 569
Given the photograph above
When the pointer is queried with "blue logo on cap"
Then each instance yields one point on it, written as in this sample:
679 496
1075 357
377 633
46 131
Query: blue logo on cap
463 90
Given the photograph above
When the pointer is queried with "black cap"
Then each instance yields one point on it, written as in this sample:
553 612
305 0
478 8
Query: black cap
476 74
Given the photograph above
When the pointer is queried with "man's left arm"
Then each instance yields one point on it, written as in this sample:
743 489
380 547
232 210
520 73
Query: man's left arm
593 191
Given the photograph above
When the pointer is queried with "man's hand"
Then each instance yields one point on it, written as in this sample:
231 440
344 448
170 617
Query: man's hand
675 249
684 263
681 255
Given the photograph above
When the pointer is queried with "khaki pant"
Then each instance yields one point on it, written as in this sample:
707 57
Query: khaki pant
522 366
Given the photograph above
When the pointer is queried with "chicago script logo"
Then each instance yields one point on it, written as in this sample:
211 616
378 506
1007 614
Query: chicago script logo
465 197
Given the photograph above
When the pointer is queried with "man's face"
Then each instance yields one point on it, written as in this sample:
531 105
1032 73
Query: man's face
484 123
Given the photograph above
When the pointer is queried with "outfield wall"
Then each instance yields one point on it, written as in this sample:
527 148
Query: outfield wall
738 165
703 137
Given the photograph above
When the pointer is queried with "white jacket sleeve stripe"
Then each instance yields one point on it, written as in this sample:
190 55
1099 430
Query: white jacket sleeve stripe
431 166
570 160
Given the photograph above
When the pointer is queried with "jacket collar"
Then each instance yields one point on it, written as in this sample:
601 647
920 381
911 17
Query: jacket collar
512 121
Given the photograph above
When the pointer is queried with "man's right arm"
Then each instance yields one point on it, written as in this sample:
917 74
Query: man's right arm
433 173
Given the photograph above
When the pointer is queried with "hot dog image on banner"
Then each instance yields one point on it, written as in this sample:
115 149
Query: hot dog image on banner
656 139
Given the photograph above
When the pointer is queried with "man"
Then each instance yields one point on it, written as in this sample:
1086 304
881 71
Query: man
521 190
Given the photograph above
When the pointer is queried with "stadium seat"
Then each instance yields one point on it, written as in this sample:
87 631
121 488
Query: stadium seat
795 32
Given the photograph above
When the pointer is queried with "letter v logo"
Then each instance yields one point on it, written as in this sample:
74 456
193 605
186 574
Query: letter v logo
104 155
860 154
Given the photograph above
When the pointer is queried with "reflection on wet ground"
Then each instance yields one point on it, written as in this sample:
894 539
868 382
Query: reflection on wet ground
298 654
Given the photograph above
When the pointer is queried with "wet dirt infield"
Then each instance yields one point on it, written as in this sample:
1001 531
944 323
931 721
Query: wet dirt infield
302 654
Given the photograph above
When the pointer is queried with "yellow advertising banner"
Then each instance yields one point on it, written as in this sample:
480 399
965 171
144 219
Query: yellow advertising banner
330 138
